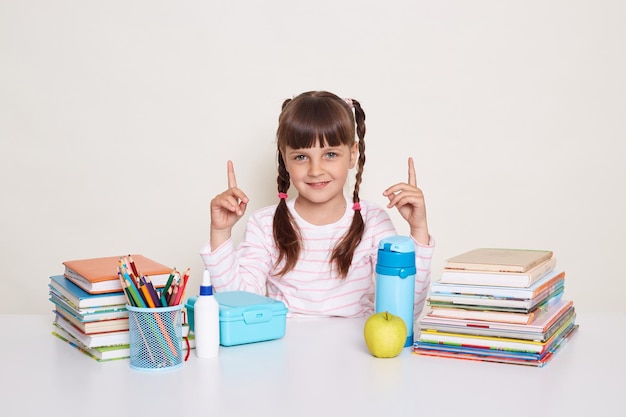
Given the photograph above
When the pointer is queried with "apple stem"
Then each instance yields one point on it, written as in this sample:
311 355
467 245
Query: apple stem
386 315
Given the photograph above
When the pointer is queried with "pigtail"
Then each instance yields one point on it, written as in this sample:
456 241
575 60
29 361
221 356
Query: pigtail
344 250
286 236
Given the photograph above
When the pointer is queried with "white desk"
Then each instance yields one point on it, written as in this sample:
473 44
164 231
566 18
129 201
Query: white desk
320 368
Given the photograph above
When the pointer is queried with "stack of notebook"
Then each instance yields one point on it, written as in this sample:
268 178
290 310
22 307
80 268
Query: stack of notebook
498 305
90 307
96 324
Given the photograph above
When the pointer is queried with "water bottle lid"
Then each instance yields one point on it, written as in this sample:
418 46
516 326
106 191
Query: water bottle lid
396 252
401 244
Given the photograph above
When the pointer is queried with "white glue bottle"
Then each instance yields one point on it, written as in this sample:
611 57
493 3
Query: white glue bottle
206 313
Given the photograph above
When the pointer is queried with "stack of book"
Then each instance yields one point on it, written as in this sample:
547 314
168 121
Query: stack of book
90 306
96 324
498 305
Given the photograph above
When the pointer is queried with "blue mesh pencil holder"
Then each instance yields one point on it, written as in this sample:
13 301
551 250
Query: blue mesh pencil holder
156 336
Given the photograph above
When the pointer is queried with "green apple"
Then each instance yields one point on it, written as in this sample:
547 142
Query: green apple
385 334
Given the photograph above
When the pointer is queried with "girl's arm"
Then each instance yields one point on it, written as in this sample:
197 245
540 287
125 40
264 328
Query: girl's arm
245 268
423 260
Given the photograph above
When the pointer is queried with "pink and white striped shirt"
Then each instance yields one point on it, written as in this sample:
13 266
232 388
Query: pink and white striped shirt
313 287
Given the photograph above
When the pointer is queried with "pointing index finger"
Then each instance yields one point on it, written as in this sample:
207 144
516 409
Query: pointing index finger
232 181
412 177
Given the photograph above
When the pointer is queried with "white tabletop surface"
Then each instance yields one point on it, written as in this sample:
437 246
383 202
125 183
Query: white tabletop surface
320 368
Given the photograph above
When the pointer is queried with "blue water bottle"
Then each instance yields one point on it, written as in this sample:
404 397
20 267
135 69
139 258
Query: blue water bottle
395 279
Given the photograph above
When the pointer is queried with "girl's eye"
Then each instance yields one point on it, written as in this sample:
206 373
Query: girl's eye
331 155
299 157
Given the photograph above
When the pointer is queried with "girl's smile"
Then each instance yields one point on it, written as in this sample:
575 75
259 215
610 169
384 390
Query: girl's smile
318 185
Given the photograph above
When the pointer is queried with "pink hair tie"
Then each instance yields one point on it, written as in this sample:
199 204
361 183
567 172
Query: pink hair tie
282 196
356 206
350 102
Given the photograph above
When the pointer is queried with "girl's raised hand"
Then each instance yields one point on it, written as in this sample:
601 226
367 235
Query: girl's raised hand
226 209
409 200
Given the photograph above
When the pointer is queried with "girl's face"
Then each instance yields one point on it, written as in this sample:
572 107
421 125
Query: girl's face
319 173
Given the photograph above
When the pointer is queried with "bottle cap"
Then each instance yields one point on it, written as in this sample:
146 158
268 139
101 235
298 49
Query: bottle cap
396 256
206 288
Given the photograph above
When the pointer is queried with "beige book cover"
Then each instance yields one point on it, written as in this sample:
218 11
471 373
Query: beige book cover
499 259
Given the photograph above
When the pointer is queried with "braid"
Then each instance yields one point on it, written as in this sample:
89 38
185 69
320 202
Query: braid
344 251
360 131
286 236
359 115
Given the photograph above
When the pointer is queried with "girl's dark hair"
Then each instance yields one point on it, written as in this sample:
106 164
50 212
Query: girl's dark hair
328 119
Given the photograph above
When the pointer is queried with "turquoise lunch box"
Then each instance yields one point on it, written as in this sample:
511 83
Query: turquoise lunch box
245 317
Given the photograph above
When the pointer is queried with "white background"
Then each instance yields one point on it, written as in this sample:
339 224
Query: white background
117 119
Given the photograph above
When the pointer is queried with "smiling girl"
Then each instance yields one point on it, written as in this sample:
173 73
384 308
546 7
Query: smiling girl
315 252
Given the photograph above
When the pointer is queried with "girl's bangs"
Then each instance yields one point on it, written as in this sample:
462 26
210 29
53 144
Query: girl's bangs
308 136
327 124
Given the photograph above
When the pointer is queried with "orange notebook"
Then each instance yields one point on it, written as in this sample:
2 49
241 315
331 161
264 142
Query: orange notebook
99 275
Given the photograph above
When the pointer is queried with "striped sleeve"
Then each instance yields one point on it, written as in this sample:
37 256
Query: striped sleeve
247 267
423 260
